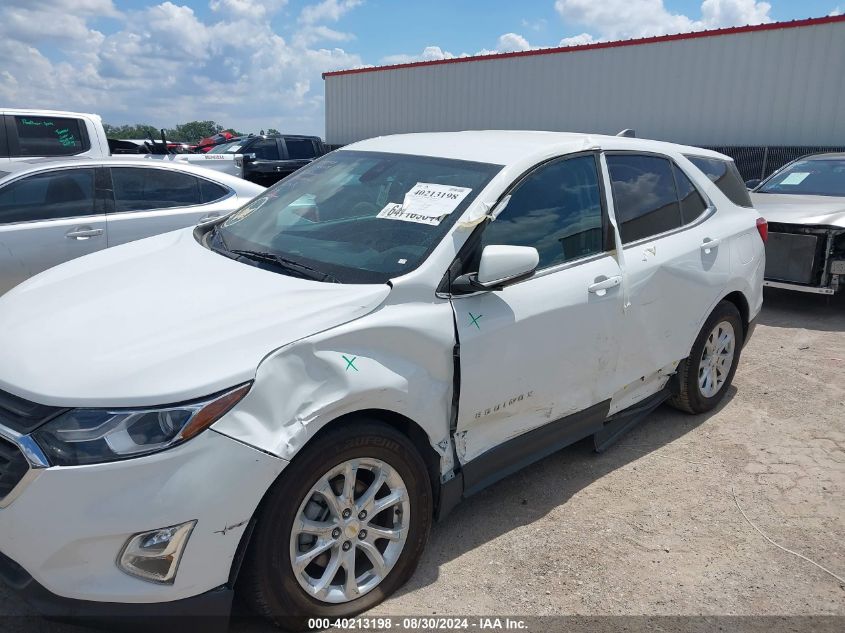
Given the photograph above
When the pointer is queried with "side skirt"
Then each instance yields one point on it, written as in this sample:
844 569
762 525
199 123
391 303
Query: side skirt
620 423
525 449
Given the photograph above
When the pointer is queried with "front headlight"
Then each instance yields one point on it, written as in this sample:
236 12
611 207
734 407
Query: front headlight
93 436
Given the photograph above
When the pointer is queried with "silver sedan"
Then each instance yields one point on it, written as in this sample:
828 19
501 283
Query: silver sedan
53 210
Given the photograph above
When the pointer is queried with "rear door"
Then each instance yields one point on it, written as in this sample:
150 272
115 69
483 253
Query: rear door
299 151
539 353
676 268
149 200
46 219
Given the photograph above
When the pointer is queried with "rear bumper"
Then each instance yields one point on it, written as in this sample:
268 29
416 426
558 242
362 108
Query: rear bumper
206 612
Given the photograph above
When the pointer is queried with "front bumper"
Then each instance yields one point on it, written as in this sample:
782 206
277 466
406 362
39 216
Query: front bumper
207 612
66 528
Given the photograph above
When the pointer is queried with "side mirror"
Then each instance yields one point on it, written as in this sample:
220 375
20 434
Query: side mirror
752 184
500 266
248 158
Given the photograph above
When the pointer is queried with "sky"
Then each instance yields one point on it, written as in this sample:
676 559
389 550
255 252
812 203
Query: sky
257 64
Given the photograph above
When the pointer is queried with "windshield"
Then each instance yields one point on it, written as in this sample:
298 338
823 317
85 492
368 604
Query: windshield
818 177
360 217
227 148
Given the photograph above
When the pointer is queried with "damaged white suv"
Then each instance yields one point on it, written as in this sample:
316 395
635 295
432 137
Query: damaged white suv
288 398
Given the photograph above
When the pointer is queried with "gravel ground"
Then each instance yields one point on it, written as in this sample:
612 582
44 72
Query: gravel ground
652 527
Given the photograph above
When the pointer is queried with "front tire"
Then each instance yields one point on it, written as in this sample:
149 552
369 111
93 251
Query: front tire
705 376
342 529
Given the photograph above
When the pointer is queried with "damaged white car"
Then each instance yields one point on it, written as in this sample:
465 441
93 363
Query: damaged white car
286 399
804 203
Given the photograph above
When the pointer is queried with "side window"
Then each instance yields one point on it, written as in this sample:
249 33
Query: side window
725 176
49 136
211 191
67 193
556 209
300 148
264 149
692 204
139 189
644 195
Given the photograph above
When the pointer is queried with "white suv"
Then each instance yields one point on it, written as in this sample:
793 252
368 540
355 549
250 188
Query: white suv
288 397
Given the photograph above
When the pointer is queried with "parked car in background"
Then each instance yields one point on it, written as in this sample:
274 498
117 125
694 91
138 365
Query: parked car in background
53 210
804 203
26 134
294 393
269 158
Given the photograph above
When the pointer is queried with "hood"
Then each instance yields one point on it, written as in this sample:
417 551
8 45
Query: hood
794 209
158 321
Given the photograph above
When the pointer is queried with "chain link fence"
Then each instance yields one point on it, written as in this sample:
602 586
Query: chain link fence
759 162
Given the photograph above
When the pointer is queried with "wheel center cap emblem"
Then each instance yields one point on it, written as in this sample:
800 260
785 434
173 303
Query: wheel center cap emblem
351 530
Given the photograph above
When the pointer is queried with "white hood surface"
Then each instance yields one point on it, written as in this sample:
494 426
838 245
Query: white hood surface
158 321
795 209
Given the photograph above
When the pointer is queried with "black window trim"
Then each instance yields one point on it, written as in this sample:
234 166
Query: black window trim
474 238
112 210
706 214
730 162
4 145
99 209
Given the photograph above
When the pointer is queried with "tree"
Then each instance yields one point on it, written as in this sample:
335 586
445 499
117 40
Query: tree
272 130
190 132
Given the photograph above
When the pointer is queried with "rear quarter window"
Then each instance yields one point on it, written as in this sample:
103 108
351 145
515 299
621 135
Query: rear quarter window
48 136
725 176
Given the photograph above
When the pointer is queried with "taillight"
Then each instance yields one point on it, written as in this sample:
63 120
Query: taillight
763 229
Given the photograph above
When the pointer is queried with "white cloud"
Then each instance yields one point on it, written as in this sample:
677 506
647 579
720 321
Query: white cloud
622 19
836 11
534 25
430 53
165 64
327 11
577 40
510 42
247 8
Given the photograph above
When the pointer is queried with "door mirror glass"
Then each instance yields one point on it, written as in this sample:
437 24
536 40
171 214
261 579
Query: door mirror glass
500 265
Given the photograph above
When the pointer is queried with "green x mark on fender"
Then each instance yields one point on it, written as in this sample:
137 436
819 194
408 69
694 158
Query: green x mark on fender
350 362
475 320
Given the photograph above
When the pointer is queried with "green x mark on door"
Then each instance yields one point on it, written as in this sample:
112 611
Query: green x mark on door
350 362
475 320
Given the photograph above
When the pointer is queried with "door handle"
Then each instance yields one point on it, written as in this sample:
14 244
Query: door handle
709 244
83 234
601 285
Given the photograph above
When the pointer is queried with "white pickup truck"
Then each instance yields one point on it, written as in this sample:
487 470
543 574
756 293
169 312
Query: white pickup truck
28 134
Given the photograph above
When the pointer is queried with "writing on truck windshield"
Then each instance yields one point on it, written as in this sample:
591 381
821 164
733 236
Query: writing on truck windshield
360 217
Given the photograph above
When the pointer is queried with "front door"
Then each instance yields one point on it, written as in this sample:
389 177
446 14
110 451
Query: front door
538 353
46 219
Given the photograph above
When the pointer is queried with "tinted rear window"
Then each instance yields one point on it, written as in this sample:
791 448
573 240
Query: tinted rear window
299 148
725 176
138 189
211 191
49 136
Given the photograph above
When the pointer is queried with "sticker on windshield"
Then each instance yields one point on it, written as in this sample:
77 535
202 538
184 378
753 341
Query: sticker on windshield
433 200
426 203
395 211
795 178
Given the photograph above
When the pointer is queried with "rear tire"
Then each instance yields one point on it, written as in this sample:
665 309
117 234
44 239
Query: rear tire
705 376
311 500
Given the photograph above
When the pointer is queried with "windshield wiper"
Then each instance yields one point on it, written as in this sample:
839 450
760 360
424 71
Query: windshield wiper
288 264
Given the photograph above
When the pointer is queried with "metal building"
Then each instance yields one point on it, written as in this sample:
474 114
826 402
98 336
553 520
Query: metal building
772 84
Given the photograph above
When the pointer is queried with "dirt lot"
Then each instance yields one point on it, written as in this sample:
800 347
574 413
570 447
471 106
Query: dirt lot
652 526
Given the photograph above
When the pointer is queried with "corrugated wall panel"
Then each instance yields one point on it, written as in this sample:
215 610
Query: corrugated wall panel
774 87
